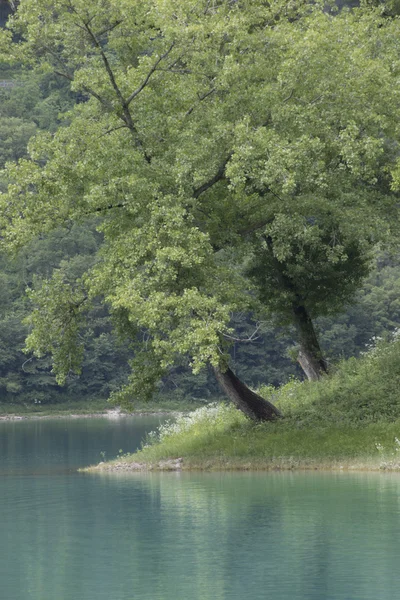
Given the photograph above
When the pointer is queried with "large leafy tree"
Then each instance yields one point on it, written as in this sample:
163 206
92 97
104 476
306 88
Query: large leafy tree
229 147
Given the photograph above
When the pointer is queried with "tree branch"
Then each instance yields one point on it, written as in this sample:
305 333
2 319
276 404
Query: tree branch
203 97
110 207
288 97
220 174
110 28
100 209
126 115
148 76
255 227
88 90
114 129
105 62
247 340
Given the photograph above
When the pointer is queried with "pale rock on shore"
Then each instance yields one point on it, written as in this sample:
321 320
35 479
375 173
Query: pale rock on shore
173 464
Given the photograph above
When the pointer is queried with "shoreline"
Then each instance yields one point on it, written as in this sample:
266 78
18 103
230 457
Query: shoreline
274 465
224 442
109 414
221 439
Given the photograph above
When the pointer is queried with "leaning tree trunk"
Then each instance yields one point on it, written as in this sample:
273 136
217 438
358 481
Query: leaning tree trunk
253 405
310 355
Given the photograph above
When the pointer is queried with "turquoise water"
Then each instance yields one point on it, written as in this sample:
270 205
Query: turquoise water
278 536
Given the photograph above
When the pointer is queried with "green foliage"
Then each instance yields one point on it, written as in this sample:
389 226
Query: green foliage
56 324
33 103
301 265
26 379
225 149
374 313
14 136
37 98
359 391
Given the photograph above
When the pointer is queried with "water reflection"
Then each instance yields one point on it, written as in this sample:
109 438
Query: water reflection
281 535
51 446
177 536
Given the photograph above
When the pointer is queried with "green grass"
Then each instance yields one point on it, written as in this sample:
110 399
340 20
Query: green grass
349 419
221 438
358 392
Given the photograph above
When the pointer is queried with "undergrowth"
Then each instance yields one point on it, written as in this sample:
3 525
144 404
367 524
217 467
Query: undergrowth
352 413
359 391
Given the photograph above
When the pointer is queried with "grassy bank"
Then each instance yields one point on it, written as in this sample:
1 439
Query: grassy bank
221 438
349 419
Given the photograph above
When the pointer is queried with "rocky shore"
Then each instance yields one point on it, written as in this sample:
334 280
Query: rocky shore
173 464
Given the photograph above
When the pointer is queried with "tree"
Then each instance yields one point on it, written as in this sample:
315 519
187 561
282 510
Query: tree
229 148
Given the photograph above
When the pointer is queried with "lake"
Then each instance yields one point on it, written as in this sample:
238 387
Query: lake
180 536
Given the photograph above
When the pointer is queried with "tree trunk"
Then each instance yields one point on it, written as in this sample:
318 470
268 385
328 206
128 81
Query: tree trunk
310 355
253 405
